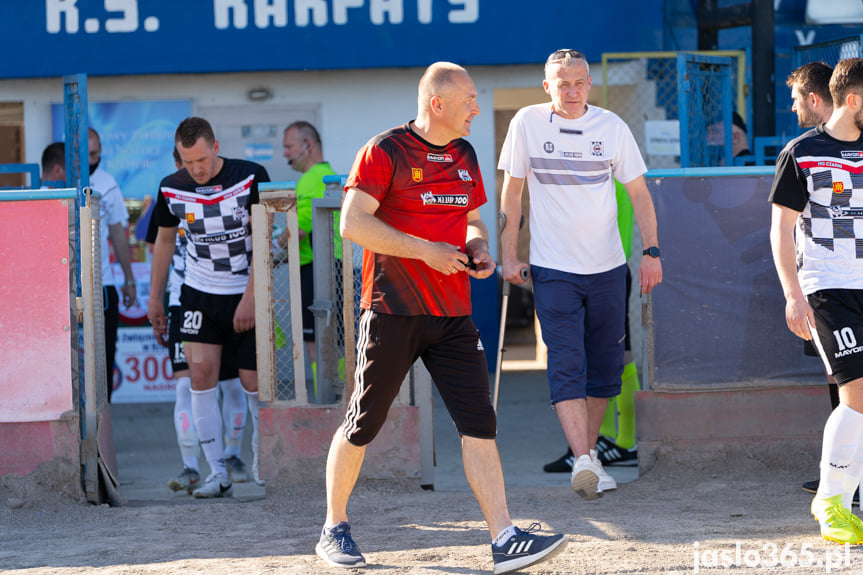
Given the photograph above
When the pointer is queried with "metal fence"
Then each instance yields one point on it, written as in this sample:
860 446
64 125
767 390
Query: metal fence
642 88
277 296
282 375
282 361
91 341
704 97
828 52
328 306
282 357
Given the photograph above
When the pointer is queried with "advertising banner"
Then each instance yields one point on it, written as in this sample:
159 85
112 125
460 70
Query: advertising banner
143 368
120 37
137 141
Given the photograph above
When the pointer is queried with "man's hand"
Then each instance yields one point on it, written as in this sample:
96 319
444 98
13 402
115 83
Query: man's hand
799 316
244 316
157 317
480 265
446 258
649 274
130 294
515 271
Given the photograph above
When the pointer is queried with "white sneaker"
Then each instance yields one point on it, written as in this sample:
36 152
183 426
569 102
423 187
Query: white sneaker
217 485
606 481
585 478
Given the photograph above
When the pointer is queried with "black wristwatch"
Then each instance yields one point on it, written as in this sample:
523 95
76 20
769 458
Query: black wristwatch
652 251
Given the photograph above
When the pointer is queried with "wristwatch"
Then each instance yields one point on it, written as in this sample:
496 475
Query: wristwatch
652 251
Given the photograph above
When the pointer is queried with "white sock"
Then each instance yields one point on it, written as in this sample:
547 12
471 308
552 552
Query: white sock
184 424
329 526
208 421
233 415
254 411
841 470
503 536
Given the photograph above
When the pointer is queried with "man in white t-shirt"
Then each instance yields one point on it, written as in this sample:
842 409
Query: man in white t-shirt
570 153
114 219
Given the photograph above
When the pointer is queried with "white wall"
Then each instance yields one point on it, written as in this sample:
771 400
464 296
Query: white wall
355 105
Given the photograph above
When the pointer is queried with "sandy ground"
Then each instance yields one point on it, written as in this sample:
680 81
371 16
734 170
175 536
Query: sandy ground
730 512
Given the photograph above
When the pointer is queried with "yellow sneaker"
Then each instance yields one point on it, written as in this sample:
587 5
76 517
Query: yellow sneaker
837 522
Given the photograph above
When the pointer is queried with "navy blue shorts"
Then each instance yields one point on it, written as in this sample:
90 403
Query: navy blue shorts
583 321
388 345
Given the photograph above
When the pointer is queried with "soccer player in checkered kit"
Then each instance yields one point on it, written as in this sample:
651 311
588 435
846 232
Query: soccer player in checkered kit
570 153
818 193
211 199
412 203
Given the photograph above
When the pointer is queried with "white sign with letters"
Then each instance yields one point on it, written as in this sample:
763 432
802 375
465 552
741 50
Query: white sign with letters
663 137
142 368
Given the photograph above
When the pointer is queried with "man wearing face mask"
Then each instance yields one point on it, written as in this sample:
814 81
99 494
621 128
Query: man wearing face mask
303 150
113 223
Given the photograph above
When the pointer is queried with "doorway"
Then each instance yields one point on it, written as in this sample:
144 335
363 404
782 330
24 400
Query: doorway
12 143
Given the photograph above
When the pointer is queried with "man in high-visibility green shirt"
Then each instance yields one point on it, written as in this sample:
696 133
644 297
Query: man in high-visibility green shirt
303 150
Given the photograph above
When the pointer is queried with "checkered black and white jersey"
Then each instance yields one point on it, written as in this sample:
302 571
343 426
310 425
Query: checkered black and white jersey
178 270
822 178
178 261
216 221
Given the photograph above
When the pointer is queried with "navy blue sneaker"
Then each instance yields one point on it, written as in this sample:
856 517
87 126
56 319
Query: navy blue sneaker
337 548
525 548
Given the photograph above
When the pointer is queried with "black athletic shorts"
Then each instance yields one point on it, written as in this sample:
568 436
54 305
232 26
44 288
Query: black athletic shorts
175 346
209 318
838 332
387 346
307 293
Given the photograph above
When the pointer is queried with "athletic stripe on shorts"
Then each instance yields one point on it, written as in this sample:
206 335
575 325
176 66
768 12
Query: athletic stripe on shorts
821 353
359 378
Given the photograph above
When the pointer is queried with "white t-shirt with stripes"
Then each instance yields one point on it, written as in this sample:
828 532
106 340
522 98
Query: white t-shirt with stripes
570 167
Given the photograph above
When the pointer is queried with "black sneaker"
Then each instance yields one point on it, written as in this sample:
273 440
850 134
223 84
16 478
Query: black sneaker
812 487
187 481
616 455
562 465
237 470
337 548
603 444
525 549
